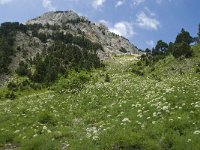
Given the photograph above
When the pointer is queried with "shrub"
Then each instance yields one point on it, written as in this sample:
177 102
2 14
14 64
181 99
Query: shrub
107 78
47 118
197 70
12 86
22 70
10 95
138 72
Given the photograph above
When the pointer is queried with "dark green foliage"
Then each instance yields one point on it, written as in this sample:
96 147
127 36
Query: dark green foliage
42 37
22 70
22 85
161 48
184 36
60 57
47 118
197 70
137 72
148 51
12 86
107 78
7 32
181 49
77 82
6 51
10 95
74 52
123 50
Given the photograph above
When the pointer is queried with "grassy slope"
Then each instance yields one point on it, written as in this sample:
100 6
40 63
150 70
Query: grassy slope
130 112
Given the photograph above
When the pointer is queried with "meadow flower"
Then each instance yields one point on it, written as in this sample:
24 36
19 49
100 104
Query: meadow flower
44 128
165 108
197 132
148 118
48 131
17 131
126 120
154 114
153 122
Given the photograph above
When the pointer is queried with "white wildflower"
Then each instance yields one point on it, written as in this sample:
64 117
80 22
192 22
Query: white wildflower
126 120
17 131
48 131
197 132
44 128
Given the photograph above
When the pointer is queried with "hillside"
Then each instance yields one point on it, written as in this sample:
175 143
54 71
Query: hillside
109 108
69 21
22 43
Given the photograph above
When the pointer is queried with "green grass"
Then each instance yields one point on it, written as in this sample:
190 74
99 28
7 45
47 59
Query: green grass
128 112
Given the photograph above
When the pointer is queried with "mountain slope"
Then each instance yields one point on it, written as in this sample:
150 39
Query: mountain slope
71 22
40 34
128 112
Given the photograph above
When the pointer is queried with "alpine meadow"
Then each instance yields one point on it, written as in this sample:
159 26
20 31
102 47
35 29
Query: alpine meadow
68 83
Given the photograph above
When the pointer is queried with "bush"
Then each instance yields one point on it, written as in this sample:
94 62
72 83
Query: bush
138 72
107 78
22 70
10 95
12 86
47 118
197 70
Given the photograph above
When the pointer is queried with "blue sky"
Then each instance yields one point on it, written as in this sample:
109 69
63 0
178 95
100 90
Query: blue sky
143 22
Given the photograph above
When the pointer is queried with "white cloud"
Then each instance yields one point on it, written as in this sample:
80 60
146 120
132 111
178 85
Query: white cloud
138 2
123 28
150 43
119 3
98 3
147 22
152 14
104 22
2 2
48 5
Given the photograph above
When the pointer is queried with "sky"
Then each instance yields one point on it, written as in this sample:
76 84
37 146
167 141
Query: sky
143 22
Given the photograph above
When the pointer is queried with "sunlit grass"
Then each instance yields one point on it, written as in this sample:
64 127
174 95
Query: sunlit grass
128 112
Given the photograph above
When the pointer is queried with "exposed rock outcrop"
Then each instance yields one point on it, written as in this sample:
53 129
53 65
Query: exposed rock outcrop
71 22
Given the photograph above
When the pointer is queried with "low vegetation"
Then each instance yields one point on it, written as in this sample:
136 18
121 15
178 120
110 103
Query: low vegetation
65 99
110 108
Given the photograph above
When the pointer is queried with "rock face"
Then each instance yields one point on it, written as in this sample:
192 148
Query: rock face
57 17
72 23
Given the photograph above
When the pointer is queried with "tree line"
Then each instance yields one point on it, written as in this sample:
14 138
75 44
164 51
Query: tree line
180 48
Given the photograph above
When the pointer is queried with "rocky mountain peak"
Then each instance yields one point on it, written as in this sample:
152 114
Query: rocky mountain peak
71 22
57 17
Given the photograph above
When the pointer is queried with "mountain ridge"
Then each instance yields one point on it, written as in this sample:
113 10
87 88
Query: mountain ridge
74 24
